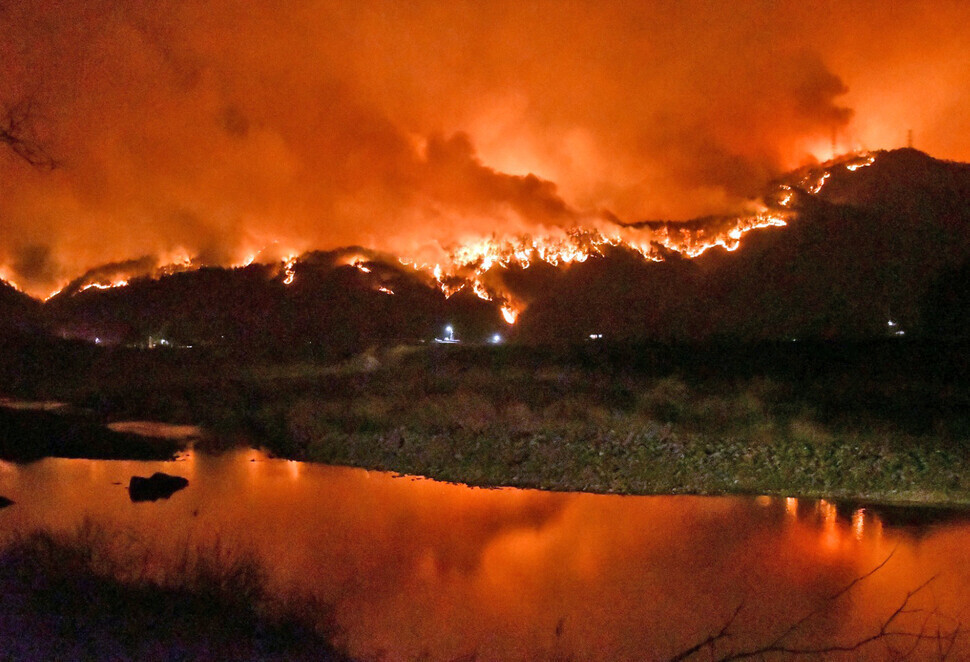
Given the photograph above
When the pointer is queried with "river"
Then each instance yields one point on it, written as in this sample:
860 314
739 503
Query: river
418 568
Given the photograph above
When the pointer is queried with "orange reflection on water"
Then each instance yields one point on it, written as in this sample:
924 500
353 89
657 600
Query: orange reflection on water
415 567
859 523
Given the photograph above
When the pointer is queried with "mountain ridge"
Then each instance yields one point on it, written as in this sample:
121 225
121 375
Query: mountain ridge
869 243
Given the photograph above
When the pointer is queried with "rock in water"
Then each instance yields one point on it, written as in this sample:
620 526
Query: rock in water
158 486
4 502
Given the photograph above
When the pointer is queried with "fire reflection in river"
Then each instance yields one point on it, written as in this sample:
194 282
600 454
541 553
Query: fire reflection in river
417 567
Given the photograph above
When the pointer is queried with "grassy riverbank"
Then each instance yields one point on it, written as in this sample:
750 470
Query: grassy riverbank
650 436
882 420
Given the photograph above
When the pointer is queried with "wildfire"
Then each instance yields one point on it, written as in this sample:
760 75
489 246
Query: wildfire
815 187
787 196
814 180
469 262
289 273
178 260
693 243
509 314
5 277
475 263
852 167
121 282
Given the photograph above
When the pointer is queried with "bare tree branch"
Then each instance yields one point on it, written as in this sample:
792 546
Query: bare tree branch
712 640
887 632
883 633
17 132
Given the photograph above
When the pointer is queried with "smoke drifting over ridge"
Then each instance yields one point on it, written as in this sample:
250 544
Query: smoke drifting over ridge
217 128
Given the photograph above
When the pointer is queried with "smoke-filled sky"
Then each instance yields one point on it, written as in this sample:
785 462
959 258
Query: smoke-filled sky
216 127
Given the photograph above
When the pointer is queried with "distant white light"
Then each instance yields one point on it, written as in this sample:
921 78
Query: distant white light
496 339
596 336
891 323
449 335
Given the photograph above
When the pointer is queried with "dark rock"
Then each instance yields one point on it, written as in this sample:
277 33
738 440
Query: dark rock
4 502
158 486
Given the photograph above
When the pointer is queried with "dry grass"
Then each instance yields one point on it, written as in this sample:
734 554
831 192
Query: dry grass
91 594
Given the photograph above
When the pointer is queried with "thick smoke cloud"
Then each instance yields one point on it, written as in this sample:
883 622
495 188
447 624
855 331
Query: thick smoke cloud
216 128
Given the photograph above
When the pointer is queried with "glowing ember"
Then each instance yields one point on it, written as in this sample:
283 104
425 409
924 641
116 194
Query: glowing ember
817 186
53 294
104 286
385 290
289 275
814 181
786 197
509 314
480 291
852 167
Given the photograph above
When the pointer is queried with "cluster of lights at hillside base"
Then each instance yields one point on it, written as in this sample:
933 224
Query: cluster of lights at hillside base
467 264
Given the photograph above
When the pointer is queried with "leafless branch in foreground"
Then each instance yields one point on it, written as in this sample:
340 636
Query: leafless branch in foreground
17 123
711 640
930 630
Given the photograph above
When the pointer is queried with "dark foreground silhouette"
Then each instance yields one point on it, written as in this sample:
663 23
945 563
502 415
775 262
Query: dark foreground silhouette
62 597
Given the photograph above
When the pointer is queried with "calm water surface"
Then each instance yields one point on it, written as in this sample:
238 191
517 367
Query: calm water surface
419 569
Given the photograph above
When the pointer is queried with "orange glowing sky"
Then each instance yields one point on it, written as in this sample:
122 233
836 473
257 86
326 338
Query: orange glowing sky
217 127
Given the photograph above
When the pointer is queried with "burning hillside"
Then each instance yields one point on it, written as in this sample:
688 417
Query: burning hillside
209 130
849 259
477 264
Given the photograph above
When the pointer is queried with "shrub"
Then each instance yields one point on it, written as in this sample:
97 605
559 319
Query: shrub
94 595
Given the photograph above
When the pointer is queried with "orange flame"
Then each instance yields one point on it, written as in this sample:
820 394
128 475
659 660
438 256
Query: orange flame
468 264
121 282
869 160
5 277
289 275
509 314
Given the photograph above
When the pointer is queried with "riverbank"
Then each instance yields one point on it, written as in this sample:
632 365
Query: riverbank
29 434
870 422
569 446
880 421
